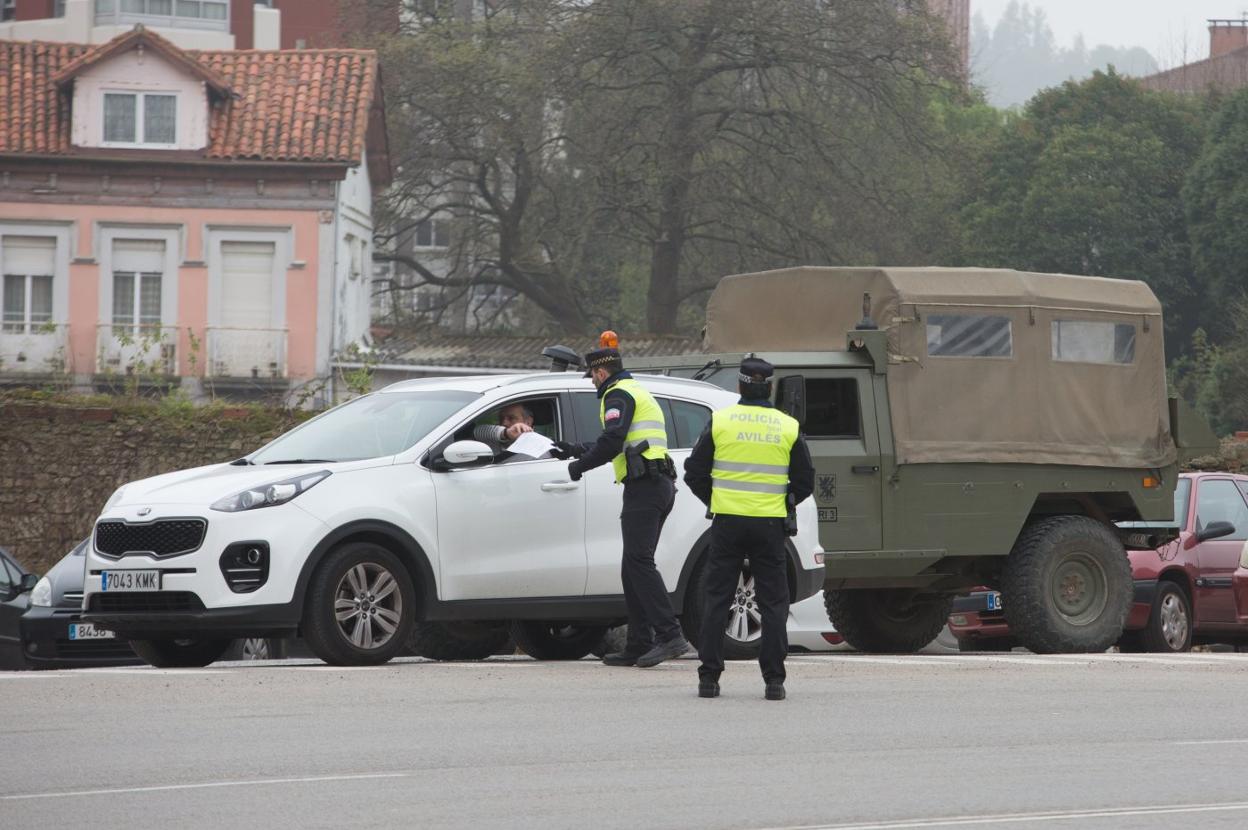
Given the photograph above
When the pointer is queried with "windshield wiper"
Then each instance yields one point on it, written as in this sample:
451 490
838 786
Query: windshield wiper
302 461
715 363
242 462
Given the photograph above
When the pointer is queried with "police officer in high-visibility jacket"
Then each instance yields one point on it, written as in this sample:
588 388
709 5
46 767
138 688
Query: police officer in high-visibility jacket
750 459
634 440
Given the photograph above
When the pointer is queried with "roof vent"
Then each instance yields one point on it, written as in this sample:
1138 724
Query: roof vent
561 357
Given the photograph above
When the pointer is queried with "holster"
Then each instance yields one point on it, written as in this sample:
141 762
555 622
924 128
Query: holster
636 465
790 517
634 462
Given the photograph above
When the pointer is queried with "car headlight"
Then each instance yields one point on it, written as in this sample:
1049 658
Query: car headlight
114 498
270 495
42 594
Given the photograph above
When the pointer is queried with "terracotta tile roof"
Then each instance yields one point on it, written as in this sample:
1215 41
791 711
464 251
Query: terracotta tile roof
503 351
141 37
294 105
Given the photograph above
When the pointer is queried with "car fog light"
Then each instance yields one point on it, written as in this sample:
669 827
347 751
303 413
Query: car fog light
957 619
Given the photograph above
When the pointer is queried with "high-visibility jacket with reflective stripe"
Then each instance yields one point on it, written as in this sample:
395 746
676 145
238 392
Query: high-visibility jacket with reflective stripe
647 425
750 474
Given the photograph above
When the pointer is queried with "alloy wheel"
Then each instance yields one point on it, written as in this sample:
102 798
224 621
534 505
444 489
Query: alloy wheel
745 621
368 605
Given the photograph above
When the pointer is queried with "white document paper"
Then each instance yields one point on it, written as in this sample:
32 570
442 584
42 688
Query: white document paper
532 444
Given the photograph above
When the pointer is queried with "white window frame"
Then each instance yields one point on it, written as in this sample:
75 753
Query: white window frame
107 235
283 245
60 272
140 104
434 223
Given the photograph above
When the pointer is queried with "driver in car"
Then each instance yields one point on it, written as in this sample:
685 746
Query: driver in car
513 421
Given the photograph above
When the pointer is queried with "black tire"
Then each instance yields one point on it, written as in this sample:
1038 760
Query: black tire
987 644
188 653
1067 586
887 621
381 622
556 640
1169 627
735 648
457 640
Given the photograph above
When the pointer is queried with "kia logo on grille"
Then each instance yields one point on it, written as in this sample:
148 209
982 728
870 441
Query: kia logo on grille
143 511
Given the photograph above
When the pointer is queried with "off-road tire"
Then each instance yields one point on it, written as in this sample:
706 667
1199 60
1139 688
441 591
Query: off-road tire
321 628
1160 634
887 620
457 640
986 644
1065 557
555 640
694 613
180 653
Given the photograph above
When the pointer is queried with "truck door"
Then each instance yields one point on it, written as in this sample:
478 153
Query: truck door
840 429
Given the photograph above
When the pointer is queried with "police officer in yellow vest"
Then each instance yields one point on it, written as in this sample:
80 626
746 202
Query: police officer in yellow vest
746 464
634 440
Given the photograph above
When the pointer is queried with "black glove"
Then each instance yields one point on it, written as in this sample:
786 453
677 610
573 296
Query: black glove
564 450
574 471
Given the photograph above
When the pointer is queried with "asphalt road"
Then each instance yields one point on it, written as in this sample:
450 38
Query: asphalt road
1101 741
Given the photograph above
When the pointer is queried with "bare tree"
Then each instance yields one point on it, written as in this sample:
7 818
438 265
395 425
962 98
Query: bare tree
570 142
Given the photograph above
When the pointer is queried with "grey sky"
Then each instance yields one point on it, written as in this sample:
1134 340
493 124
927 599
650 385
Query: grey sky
1174 31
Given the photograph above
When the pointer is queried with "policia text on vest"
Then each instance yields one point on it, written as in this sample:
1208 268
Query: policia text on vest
633 430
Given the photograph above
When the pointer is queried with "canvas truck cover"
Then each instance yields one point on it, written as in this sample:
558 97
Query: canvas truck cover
985 365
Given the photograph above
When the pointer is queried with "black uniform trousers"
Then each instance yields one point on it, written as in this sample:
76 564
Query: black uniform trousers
647 502
761 541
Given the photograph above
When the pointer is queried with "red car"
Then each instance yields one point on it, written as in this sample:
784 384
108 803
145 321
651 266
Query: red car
1193 590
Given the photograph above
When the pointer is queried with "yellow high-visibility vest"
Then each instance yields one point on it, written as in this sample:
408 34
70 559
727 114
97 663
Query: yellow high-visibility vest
647 425
750 476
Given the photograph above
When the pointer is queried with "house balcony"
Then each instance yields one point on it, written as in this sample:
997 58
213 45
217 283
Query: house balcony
203 15
34 351
144 349
255 353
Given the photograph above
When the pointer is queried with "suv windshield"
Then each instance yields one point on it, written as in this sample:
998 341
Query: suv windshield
369 427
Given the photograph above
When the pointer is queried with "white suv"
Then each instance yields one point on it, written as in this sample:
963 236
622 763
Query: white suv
379 526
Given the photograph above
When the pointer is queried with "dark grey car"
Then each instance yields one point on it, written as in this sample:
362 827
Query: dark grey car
15 586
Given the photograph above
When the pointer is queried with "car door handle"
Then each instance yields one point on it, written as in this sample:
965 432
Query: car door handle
866 469
560 486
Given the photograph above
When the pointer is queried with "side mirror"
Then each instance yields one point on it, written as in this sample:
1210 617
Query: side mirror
791 397
467 453
1214 530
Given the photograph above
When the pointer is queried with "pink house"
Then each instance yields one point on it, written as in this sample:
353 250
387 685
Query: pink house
204 215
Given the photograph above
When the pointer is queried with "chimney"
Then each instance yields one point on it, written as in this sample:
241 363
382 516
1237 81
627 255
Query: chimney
1227 36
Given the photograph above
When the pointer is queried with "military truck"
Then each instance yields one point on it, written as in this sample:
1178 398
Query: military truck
968 427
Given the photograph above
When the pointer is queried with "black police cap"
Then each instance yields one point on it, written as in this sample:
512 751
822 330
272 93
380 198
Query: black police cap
756 370
600 358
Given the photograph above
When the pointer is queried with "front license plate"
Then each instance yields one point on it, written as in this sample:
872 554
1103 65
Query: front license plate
129 580
994 601
87 631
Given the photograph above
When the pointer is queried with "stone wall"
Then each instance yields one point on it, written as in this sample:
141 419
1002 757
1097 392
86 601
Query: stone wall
60 460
